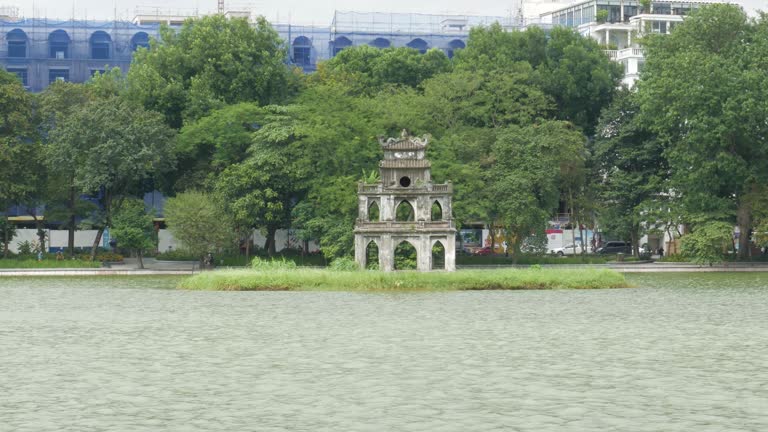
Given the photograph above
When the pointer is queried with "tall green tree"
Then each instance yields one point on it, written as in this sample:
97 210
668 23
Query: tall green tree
533 165
208 63
628 168
56 105
22 170
133 228
199 222
713 127
570 68
112 146
367 70
260 191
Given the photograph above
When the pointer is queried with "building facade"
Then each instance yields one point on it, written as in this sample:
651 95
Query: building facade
617 25
41 51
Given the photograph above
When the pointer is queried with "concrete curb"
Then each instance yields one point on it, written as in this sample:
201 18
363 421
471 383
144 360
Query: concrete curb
91 272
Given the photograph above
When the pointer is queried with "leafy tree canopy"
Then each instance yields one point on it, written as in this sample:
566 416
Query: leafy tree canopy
208 63
716 122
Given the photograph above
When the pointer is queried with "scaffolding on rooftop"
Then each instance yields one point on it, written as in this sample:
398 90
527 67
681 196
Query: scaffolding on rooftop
350 22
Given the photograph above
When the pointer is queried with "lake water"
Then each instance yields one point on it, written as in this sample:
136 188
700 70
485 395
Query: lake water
679 353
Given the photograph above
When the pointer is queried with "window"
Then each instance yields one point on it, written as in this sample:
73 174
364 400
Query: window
418 44
454 45
302 51
339 44
58 45
21 73
380 43
101 45
661 9
659 27
58 75
139 40
17 43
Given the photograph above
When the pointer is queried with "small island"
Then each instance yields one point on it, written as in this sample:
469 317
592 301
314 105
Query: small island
298 279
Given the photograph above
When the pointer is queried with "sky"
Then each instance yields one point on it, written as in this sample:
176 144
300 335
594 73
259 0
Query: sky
296 11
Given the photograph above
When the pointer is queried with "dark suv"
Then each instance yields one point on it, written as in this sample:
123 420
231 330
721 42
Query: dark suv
614 247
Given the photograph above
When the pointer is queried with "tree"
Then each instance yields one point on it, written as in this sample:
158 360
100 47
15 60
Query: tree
629 169
708 242
199 223
208 63
572 69
7 233
717 123
208 146
110 147
133 228
259 192
56 104
22 171
533 163
367 70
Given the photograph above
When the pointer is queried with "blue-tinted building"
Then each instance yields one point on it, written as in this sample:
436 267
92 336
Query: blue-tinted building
41 51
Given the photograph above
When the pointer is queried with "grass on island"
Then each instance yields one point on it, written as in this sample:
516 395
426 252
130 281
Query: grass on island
11 263
328 280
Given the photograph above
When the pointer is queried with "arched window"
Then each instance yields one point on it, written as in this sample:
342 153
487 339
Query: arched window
101 45
380 43
140 40
404 212
372 256
373 212
405 256
418 44
437 211
17 43
438 256
340 43
58 44
454 45
302 51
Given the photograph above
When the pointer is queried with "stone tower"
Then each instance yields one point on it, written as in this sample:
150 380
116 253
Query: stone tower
425 221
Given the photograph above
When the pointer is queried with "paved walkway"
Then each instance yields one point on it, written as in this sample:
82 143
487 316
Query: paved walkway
130 266
154 267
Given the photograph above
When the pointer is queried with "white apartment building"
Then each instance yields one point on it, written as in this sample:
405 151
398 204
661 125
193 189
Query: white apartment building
617 25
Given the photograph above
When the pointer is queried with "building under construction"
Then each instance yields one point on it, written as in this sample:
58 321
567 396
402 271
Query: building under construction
43 50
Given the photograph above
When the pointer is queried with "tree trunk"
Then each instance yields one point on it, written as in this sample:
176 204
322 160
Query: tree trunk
141 259
96 242
744 220
271 249
5 241
40 231
71 226
635 234
248 247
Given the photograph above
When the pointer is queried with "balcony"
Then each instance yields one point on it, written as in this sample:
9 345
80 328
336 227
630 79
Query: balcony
629 53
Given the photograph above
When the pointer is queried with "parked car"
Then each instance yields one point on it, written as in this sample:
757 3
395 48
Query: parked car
567 250
615 247
484 251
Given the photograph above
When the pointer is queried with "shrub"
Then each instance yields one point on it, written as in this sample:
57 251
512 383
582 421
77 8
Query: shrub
25 248
344 264
265 264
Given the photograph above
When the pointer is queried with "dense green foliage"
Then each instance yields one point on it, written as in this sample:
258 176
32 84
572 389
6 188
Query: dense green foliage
364 280
525 124
207 64
715 123
133 228
199 222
